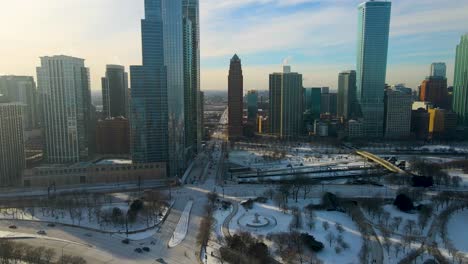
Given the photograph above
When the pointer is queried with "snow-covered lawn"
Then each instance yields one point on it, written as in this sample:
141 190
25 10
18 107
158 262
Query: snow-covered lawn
182 226
99 217
457 231
350 235
460 173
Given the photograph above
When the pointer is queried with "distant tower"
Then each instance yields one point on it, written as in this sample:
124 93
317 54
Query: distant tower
438 69
373 34
397 114
460 83
12 159
252 106
115 91
235 98
286 104
346 94
63 84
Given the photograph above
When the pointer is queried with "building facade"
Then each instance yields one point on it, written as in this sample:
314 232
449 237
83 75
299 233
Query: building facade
64 89
157 109
372 49
115 92
12 157
22 89
398 107
235 98
312 101
346 101
193 127
420 123
460 83
113 136
328 102
252 106
434 90
286 105
438 69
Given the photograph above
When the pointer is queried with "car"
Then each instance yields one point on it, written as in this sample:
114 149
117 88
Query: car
126 241
51 225
153 243
41 232
147 249
13 227
138 250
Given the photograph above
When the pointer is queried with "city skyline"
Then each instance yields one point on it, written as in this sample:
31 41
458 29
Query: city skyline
319 55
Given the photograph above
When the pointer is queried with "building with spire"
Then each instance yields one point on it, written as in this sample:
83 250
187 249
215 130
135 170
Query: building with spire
235 99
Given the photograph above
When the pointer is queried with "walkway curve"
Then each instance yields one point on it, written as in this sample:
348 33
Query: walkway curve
181 229
228 219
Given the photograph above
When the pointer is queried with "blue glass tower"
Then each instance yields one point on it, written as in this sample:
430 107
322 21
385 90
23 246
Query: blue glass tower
372 49
157 107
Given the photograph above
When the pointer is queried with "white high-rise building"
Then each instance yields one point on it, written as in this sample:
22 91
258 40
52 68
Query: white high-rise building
12 159
63 86
438 69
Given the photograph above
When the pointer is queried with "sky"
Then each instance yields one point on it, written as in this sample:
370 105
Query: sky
316 37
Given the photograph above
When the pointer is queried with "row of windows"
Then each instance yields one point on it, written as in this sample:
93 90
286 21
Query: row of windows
66 171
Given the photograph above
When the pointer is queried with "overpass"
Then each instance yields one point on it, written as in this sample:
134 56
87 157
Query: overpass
387 165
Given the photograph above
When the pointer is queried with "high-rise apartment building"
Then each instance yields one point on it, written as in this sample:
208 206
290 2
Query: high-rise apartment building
252 106
12 158
192 101
235 98
312 101
22 89
434 89
286 104
346 101
398 107
460 83
64 89
157 94
438 69
115 92
328 101
373 34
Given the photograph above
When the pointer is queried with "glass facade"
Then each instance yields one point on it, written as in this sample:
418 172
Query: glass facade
252 106
157 111
460 84
115 91
346 104
372 49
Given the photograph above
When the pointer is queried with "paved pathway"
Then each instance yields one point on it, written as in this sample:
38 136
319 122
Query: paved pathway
182 227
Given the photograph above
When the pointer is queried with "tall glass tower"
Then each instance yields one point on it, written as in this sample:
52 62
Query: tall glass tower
157 111
460 84
372 49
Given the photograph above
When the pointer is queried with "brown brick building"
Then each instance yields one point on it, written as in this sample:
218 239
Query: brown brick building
434 90
113 136
235 98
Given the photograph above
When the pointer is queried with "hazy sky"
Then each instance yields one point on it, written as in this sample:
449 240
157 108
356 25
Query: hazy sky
317 37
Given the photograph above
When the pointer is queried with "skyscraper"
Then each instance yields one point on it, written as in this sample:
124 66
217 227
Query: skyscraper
312 101
157 109
252 106
115 92
397 114
22 89
63 84
373 33
193 127
12 159
328 101
235 98
460 83
286 104
438 69
346 105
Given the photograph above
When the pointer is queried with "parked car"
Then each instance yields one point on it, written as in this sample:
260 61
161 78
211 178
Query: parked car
13 227
126 241
147 249
41 232
51 225
138 250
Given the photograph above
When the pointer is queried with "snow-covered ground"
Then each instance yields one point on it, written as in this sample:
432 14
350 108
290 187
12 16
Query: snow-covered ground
460 173
182 226
217 237
99 217
258 160
350 235
457 231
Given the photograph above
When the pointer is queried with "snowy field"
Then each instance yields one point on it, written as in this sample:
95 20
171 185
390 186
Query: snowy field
458 232
350 234
260 160
460 173
99 217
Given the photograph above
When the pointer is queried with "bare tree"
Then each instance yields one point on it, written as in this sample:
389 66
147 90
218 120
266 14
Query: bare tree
330 237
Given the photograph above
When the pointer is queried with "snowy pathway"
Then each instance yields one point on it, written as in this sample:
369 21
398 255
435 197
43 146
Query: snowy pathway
182 227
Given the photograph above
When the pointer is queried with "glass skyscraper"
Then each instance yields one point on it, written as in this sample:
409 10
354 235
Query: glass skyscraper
115 92
346 94
372 49
460 83
157 108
